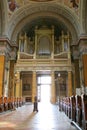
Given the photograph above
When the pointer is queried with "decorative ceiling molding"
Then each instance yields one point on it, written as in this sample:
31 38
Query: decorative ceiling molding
31 12
16 4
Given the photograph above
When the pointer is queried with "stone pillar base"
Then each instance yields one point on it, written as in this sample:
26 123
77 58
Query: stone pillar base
53 100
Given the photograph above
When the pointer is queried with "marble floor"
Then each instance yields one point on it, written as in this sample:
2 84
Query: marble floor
47 118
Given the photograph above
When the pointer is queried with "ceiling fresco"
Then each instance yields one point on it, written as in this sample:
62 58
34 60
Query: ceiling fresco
14 5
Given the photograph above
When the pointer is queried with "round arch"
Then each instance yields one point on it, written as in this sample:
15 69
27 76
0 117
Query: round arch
29 13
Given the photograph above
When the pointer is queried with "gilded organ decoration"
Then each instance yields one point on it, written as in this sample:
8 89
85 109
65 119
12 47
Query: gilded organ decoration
57 47
30 46
26 46
44 46
62 45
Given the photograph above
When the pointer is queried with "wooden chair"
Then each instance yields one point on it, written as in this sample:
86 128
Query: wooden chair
10 103
78 110
5 103
20 101
73 108
84 111
15 102
69 108
23 100
1 104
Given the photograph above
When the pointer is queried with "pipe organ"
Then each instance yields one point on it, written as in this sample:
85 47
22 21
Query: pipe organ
43 45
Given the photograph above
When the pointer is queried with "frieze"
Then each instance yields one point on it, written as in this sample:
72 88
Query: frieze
19 67
41 69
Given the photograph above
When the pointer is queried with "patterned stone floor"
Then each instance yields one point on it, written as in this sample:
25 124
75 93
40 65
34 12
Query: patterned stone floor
47 118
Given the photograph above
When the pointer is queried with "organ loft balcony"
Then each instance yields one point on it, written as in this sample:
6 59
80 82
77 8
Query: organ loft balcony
44 51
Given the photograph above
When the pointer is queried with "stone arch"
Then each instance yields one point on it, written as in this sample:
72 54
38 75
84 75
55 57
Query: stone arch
31 12
3 17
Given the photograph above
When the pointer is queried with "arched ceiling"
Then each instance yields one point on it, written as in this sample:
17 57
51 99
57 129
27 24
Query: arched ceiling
50 14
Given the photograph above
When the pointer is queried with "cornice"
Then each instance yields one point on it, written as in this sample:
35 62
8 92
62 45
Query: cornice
81 38
7 41
7 48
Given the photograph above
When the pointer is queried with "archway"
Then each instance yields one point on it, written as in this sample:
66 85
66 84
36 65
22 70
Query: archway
43 88
40 11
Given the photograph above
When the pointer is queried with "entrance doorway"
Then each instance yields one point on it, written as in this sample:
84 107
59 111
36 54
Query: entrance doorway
44 85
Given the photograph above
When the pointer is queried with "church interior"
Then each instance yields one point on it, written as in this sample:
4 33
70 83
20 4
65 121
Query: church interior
43 58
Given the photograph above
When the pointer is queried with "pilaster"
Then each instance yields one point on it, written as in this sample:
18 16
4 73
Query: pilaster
18 84
7 54
83 63
53 96
2 65
69 88
34 88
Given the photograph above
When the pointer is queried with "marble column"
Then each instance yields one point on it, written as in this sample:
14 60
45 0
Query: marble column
53 96
36 46
62 41
21 88
34 86
84 60
2 63
69 87
52 52
11 78
17 80
25 43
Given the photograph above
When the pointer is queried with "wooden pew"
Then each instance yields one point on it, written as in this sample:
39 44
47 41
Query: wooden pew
84 112
23 100
69 108
73 108
63 104
5 103
10 103
78 110
1 104
20 101
15 102
66 105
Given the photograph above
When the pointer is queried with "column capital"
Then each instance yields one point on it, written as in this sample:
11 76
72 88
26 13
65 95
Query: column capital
82 45
7 49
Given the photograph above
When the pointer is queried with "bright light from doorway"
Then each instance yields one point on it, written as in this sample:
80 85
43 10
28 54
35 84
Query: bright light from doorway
45 83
